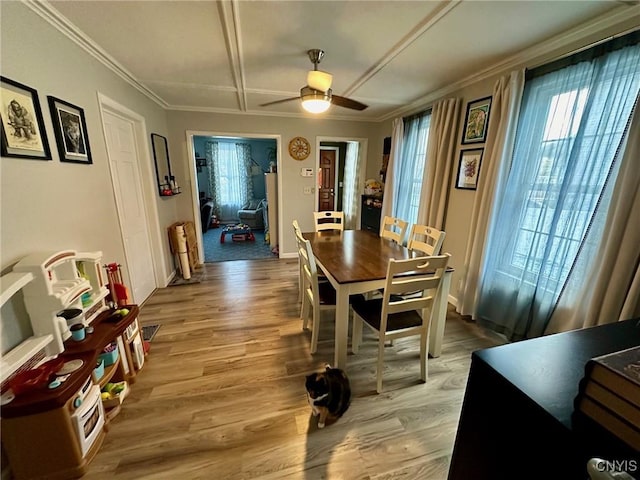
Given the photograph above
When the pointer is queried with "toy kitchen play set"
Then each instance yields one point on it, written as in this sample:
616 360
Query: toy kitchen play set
61 386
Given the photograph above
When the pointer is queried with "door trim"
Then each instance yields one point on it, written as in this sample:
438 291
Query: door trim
148 187
193 177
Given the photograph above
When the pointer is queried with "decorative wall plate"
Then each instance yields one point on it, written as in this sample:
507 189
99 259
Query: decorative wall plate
299 148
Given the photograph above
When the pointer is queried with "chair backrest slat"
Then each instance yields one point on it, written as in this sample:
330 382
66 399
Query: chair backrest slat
328 220
393 228
410 276
309 269
425 239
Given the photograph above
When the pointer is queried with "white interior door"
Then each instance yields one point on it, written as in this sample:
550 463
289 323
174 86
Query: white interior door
125 172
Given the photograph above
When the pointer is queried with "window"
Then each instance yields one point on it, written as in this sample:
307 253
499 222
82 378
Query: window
411 167
230 178
557 188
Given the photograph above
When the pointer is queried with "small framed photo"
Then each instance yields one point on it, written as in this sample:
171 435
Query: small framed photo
23 132
469 168
476 121
70 128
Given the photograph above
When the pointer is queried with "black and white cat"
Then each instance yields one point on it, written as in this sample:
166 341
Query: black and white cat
329 394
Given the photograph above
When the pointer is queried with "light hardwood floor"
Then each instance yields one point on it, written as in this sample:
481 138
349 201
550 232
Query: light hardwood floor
221 395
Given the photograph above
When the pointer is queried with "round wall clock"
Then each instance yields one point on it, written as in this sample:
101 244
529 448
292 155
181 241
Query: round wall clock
299 148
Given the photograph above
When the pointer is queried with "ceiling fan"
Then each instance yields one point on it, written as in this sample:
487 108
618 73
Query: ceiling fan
316 95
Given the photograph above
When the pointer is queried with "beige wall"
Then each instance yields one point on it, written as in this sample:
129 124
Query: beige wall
49 205
295 204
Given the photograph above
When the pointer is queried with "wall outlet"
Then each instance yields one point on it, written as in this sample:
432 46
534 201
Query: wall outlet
307 190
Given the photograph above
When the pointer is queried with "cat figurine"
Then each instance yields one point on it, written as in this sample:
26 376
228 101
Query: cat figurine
328 393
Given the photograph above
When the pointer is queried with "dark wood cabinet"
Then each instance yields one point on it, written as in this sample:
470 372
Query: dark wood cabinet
517 418
370 213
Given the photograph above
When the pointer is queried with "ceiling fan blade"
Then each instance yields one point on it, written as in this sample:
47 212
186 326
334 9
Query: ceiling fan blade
347 103
280 101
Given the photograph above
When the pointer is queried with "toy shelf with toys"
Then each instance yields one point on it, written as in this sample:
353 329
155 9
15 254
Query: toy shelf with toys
59 390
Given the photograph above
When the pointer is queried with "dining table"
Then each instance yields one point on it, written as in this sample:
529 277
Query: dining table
355 262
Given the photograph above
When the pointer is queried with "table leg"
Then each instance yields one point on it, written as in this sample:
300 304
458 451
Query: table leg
222 237
439 317
342 328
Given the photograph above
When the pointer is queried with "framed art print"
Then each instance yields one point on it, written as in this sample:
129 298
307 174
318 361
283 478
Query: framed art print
70 128
23 132
469 169
476 121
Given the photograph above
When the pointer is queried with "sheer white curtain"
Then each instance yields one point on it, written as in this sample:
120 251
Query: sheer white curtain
612 288
505 107
351 185
441 147
390 186
228 177
548 223
409 170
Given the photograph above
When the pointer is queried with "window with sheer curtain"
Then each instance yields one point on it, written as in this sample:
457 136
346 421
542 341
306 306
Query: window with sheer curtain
572 122
410 168
230 177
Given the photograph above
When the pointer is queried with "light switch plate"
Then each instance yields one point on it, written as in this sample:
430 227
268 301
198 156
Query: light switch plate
306 172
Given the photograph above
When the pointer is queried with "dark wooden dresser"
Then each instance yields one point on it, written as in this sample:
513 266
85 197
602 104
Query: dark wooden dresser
371 208
517 419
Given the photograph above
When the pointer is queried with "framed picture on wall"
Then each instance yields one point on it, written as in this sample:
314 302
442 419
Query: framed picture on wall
70 129
476 121
23 132
469 169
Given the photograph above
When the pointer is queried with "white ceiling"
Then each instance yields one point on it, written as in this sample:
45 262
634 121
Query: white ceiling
232 56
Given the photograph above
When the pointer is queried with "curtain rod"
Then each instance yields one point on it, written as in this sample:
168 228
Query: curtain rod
586 47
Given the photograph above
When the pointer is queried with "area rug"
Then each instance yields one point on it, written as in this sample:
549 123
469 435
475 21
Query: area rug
149 331
214 251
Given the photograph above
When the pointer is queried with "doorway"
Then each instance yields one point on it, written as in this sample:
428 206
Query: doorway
331 170
233 183
341 166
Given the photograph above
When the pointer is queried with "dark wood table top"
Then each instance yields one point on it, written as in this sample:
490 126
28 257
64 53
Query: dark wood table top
548 369
354 255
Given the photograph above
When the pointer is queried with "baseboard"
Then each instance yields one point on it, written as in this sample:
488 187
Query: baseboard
452 300
288 255
171 276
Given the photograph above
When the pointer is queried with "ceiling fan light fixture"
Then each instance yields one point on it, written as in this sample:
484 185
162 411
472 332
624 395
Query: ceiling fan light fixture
315 101
319 80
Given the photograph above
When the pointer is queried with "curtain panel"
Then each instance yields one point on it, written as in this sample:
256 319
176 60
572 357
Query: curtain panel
351 185
441 147
390 184
505 106
549 219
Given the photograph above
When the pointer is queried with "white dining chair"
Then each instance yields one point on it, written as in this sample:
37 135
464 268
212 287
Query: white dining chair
316 296
328 220
393 228
425 239
394 316
296 231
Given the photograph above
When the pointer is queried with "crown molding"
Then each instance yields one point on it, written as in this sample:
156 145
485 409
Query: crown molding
45 10
580 32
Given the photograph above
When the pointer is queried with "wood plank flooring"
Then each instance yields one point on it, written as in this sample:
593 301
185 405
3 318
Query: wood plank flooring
221 395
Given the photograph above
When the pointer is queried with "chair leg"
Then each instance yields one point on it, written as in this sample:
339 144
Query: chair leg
300 282
356 333
315 330
380 363
304 311
423 356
